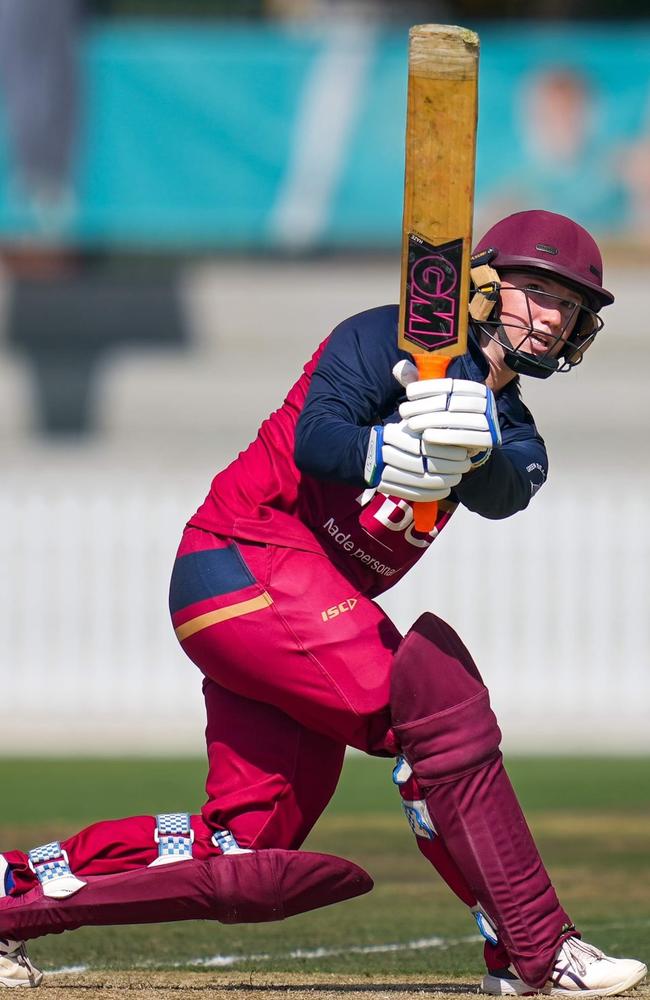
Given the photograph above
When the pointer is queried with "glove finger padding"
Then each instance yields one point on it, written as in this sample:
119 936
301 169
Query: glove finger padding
428 404
416 494
445 386
401 464
450 394
405 372
480 440
404 449
442 404
453 419
419 464
401 437
468 418
420 479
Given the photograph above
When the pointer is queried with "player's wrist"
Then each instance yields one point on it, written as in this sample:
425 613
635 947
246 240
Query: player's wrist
479 459
374 462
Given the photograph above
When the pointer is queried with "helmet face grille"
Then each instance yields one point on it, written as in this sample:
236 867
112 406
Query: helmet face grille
552 244
588 325
535 351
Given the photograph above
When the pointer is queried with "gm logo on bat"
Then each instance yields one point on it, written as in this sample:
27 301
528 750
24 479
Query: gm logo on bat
432 293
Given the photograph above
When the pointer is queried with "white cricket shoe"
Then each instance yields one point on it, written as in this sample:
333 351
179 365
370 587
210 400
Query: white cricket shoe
15 967
579 969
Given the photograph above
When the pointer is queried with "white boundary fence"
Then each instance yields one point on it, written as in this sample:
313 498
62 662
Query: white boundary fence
553 604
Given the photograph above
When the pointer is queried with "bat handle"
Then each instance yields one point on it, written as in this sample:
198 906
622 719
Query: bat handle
429 366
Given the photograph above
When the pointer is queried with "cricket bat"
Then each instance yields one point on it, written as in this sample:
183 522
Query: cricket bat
441 119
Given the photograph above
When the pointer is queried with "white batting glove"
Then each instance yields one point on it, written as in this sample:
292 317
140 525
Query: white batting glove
400 464
453 412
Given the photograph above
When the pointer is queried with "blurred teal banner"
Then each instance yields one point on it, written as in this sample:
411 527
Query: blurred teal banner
254 138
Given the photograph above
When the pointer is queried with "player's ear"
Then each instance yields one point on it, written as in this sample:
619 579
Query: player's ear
486 286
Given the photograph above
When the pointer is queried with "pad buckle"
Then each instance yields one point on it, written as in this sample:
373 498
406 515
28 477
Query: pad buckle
51 866
485 925
419 820
227 844
174 836
402 771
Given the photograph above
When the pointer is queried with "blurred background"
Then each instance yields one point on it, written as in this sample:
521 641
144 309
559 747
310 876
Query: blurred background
191 195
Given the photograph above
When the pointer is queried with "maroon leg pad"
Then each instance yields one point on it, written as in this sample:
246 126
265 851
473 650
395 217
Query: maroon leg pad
233 889
435 851
451 741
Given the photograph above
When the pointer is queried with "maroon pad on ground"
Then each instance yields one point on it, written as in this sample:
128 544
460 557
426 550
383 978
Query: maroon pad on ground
242 888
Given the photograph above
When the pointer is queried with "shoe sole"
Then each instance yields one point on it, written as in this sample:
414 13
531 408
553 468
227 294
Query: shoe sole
35 980
496 987
556 991
633 980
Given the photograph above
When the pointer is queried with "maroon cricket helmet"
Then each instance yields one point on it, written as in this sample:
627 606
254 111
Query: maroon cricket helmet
544 241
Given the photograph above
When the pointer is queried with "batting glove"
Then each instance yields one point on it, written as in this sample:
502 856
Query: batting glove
453 411
401 464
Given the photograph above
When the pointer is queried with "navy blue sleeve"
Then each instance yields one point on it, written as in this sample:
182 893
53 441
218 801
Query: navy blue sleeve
351 389
513 473
506 483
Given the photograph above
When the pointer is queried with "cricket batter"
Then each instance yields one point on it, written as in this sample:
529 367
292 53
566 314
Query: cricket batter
272 597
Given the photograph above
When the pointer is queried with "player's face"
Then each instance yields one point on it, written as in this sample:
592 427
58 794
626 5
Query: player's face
538 314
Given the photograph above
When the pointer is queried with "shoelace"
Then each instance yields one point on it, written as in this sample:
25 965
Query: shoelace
12 949
580 953
22 959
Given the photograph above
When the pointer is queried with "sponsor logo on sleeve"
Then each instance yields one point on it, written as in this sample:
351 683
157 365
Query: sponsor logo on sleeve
537 477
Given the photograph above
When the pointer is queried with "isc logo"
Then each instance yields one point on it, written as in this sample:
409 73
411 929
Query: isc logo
339 609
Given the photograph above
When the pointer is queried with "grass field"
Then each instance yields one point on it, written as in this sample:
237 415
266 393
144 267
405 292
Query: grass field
591 819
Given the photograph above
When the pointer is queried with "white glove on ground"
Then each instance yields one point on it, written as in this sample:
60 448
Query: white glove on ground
453 411
400 464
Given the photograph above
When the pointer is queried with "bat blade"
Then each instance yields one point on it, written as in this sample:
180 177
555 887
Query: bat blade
441 123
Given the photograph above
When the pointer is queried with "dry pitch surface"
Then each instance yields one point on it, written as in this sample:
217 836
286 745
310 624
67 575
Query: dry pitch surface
260 986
